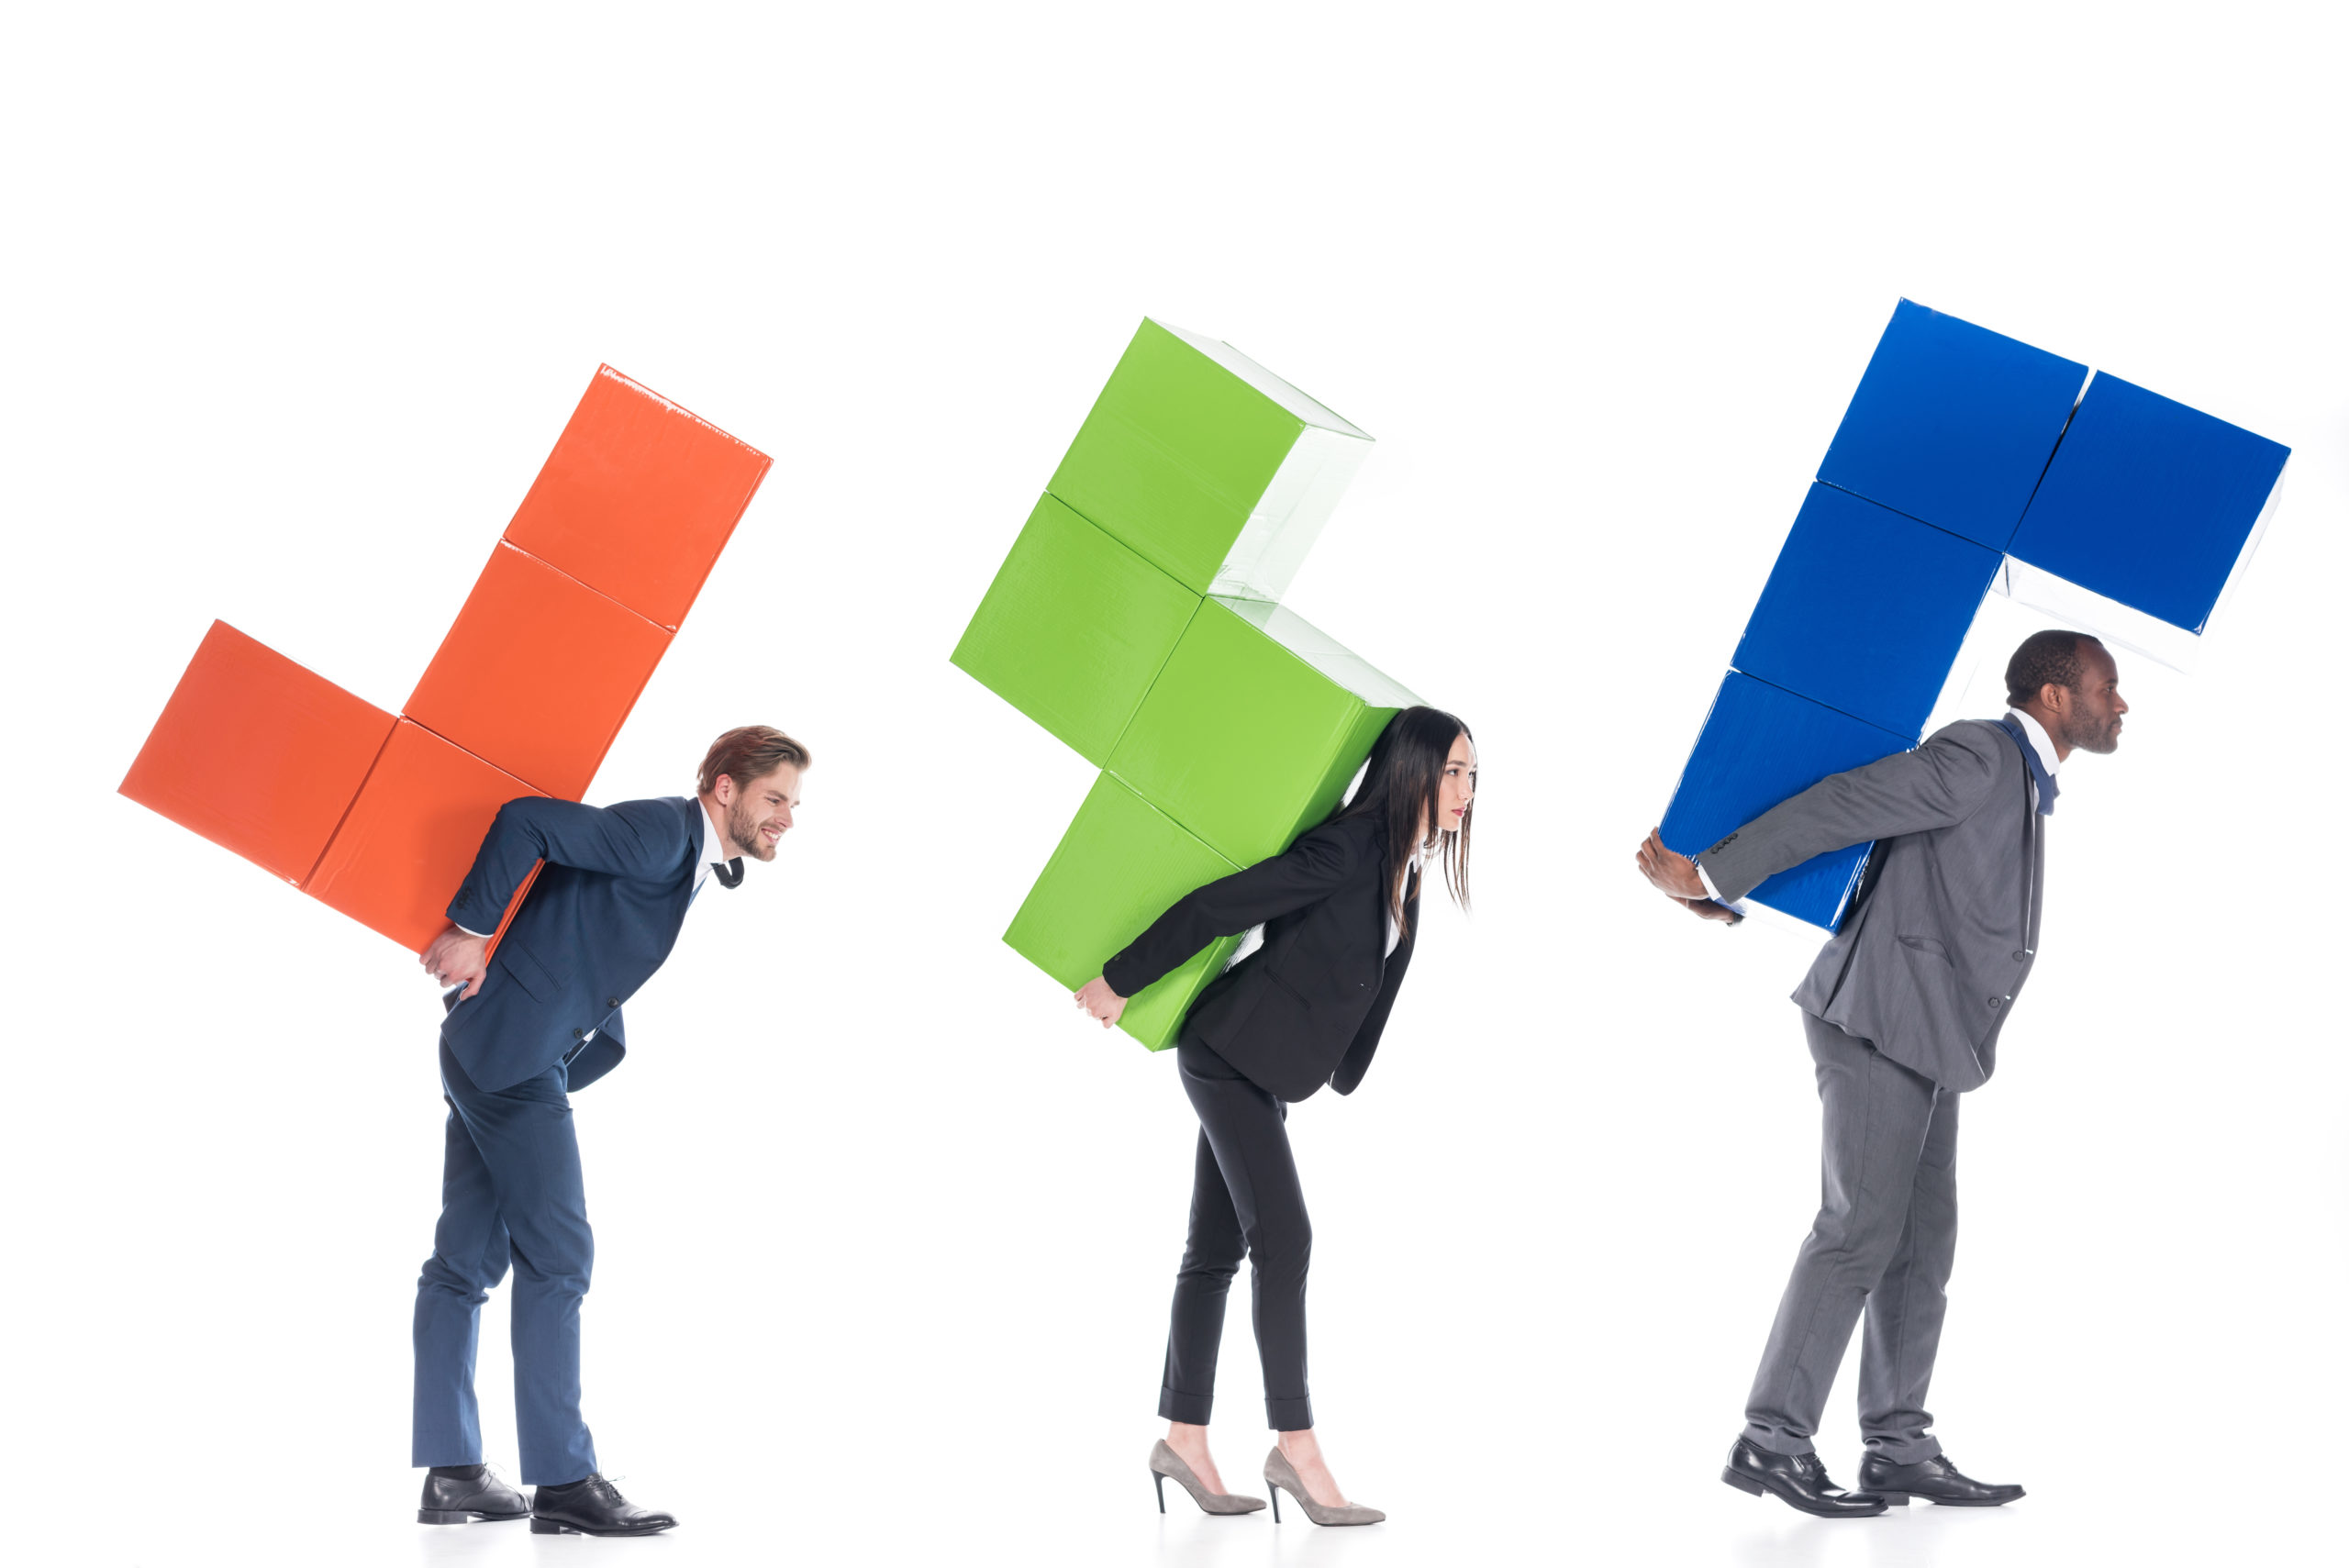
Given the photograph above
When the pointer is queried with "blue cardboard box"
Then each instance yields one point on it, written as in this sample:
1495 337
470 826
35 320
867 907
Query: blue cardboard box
2149 502
1759 745
1865 610
2119 510
1953 424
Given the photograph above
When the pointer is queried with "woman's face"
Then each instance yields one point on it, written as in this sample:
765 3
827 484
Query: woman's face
1459 785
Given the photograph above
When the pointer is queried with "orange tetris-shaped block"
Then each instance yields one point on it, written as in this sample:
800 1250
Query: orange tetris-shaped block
411 835
637 498
538 673
257 753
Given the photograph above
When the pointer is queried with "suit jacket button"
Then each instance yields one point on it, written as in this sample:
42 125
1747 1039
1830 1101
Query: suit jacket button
582 1034
1993 1001
615 1001
2020 956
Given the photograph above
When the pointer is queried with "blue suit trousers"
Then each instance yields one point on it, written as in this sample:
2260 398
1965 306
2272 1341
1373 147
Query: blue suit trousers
511 1191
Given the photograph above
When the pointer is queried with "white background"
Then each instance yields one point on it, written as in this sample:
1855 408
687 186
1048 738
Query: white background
297 302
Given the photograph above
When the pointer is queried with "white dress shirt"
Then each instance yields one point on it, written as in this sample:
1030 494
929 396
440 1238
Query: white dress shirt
710 861
2032 731
2040 742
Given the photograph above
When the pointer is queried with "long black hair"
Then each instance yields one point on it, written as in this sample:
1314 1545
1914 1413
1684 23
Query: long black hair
1401 787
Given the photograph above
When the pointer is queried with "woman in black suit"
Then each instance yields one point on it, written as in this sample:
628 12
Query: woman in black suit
1339 910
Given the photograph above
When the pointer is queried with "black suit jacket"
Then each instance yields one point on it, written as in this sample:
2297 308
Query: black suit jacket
1306 1008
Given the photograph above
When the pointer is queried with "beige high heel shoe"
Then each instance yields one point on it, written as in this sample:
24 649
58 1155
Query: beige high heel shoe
1165 1462
1280 1476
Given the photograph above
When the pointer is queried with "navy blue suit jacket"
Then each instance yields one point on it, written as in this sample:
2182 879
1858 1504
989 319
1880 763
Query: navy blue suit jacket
597 923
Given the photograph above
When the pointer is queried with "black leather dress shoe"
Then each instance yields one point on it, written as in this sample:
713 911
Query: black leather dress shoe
593 1506
1797 1480
455 1495
1936 1480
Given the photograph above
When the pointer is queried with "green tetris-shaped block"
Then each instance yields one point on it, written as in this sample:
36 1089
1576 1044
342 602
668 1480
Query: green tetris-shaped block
1073 629
1252 731
1226 725
1119 867
1209 465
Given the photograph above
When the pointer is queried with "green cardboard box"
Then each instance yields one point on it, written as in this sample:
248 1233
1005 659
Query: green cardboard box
1252 730
1073 629
1119 866
1209 465
1226 725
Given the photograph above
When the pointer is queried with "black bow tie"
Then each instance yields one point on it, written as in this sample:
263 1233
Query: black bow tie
729 873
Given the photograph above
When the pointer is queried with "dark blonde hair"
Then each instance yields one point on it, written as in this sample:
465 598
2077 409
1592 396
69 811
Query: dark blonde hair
751 752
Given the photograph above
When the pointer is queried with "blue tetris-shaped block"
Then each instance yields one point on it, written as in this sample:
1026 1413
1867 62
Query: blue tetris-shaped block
1953 424
1975 440
1759 745
1865 610
2149 502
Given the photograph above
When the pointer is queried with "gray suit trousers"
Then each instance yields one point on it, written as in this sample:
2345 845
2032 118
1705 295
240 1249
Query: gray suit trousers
1883 1244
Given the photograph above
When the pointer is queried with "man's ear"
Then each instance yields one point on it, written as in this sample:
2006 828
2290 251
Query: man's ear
722 789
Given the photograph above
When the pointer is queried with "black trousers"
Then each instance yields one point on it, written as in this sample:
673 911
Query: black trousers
1245 1202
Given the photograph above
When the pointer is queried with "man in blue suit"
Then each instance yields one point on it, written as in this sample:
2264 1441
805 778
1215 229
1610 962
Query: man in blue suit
526 1026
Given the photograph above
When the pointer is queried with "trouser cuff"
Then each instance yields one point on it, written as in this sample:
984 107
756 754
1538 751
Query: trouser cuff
1776 1439
1903 1450
444 1457
1191 1410
1289 1415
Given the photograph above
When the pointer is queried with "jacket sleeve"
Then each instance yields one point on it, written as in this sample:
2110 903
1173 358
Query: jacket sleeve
1941 783
1309 870
1356 1062
637 838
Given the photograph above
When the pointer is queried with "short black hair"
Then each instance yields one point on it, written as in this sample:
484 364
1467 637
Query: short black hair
2045 658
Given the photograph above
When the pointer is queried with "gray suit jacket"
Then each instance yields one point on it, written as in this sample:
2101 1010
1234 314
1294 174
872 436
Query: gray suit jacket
1946 925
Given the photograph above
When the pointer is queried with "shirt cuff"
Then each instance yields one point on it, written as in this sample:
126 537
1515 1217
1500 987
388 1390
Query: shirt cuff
485 935
1735 906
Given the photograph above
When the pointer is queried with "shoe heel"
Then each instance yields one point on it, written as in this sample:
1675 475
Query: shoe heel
1274 1493
544 1526
1894 1499
1154 1475
1744 1484
441 1516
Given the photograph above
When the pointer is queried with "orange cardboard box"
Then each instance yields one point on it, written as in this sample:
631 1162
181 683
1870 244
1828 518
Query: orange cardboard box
257 754
538 673
411 835
637 498
379 818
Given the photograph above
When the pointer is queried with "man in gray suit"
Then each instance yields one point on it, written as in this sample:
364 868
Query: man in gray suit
1903 1009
